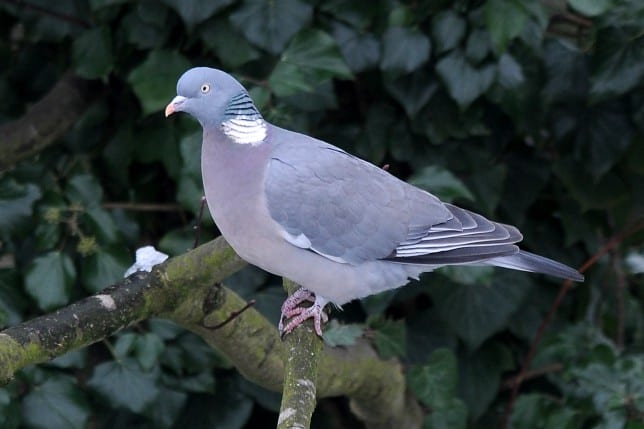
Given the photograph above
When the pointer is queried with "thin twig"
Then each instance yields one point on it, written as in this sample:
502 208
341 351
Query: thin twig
48 12
565 287
530 374
144 207
197 226
233 315
575 19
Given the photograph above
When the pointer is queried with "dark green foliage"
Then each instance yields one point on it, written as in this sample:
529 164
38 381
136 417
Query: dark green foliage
529 112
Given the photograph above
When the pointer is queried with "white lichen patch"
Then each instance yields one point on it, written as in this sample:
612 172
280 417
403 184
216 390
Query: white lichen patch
309 386
106 301
306 383
285 414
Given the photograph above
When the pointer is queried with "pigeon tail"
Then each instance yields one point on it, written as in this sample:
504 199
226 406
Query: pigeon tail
526 261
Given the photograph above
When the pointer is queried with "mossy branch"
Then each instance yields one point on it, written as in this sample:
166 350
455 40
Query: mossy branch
140 296
303 352
188 290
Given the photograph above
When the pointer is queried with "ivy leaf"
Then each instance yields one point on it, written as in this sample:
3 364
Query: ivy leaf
510 74
217 36
480 376
195 11
49 279
603 123
442 183
448 29
270 24
358 15
388 336
529 175
337 334
124 344
9 411
478 46
92 53
201 382
535 411
104 268
124 385
475 312
13 303
591 7
311 58
404 50
173 404
16 201
233 410
177 241
84 189
102 225
360 50
268 399
606 192
567 72
505 20
487 185
99 4
49 27
190 188
434 384
412 91
148 349
380 120
190 148
154 80
56 403
618 66
143 33
426 332
464 82
453 416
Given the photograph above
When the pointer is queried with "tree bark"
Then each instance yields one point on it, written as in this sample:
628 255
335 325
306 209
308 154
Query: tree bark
299 395
46 121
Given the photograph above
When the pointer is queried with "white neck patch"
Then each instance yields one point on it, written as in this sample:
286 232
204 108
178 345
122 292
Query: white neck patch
245 130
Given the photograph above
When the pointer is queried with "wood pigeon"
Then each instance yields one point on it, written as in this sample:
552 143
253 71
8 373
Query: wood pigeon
337 225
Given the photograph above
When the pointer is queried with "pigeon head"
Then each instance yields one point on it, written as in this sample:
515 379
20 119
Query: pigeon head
217 100
206 94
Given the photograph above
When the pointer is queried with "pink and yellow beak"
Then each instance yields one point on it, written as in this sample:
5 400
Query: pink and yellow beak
175 105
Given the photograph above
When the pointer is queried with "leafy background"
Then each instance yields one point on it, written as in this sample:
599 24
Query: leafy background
529 112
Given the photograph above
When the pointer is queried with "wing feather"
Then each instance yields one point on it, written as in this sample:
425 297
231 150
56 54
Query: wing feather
350 211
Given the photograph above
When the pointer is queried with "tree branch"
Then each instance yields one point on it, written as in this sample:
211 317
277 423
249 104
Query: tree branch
48 12
304 348
45 121
138 297
187 289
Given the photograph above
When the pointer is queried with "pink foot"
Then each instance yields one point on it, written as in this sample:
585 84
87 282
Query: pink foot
290 310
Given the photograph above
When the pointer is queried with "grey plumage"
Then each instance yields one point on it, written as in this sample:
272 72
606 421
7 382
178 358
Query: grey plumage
339 226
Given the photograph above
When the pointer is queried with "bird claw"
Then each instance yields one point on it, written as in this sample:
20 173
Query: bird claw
291 310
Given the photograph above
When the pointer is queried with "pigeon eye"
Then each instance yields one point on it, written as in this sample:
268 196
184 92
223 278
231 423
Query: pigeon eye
205 88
